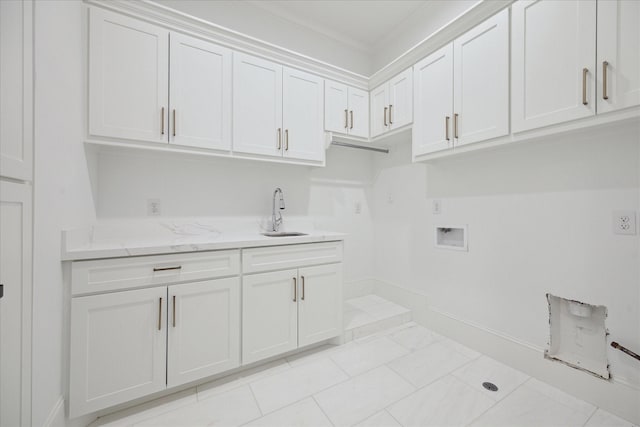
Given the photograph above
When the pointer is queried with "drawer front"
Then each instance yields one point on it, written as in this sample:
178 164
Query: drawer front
135 272
290 256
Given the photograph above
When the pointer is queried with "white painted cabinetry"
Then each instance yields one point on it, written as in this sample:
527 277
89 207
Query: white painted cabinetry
553 50
618 50
200 93
346 109
392 104
461 92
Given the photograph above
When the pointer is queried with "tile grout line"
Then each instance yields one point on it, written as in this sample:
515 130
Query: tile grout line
322 409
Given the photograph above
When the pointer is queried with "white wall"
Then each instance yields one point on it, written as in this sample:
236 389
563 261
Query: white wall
218 187
61 189
539 218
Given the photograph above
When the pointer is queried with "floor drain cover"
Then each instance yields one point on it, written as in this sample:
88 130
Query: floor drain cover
490 386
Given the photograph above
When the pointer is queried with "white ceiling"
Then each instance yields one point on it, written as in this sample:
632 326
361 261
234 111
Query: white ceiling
362 24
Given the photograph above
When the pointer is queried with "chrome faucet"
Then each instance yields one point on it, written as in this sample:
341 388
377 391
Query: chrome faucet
276 222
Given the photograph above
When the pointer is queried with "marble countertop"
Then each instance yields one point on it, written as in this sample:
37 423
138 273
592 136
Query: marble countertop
113 240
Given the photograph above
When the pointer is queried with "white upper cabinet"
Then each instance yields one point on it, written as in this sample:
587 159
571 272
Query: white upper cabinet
204 329
16 89
618 55
433 102
481 81
302 116
553 62
392 104
346 109
200 93
257 106
128 78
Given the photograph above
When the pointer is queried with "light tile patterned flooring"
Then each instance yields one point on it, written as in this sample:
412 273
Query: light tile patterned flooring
402 376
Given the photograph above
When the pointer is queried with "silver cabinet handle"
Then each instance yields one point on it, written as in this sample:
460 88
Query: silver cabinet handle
346 119
160 314
605 65
455 125
279 138
174 311
162 121
584 86
446 128
390 121
177 267
302 278
295 289
385 116
286 140
174 122
351 113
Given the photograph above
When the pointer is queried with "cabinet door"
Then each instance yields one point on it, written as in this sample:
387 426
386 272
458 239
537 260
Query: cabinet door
128 78
481 81
15 275
257 106
401 99
118 348
204 329
358 112
302 115
320 305
433 102
16 89
335 107
269 314
379 110
553 42
200 93
618 57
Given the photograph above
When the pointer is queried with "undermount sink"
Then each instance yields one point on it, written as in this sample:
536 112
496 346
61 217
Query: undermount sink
283 233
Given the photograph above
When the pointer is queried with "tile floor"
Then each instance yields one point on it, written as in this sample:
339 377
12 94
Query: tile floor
402 376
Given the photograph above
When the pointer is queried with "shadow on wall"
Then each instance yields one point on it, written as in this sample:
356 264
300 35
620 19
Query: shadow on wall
598 159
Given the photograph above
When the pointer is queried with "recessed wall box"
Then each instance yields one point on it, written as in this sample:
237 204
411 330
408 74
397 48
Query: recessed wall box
452 237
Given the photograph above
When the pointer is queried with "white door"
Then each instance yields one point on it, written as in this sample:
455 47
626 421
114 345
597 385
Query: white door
257 106
553 62
379 110
401 99
433 102
269 314
320 304
336 113
358 112
16 89
204 329
200 114
618 54
128 78
302 115
481 81
118 348
15 314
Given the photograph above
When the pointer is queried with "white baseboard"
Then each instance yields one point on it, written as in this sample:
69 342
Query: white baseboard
56 416
614 396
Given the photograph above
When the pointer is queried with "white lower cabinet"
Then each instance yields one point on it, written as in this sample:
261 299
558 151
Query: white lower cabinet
320 304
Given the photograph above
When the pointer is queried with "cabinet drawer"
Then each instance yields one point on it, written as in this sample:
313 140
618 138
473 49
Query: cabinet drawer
290 256
135 272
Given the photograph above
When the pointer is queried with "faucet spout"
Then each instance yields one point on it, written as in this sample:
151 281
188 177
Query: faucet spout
276 220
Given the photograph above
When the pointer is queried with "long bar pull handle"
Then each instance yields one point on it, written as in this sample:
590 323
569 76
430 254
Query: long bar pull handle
346 119
302 278
446 128
174 122
174 311
351 113
385 116
177 267
584 86
279 138
390 121
625 350
455 125
160 314
605 65
286 139
295 289
162 121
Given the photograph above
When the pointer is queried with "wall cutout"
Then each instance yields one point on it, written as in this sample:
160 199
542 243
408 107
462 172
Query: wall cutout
578 335
451 237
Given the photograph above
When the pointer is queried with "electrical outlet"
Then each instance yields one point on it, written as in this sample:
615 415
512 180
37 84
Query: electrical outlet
624 222
154 207
437 207
358 208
